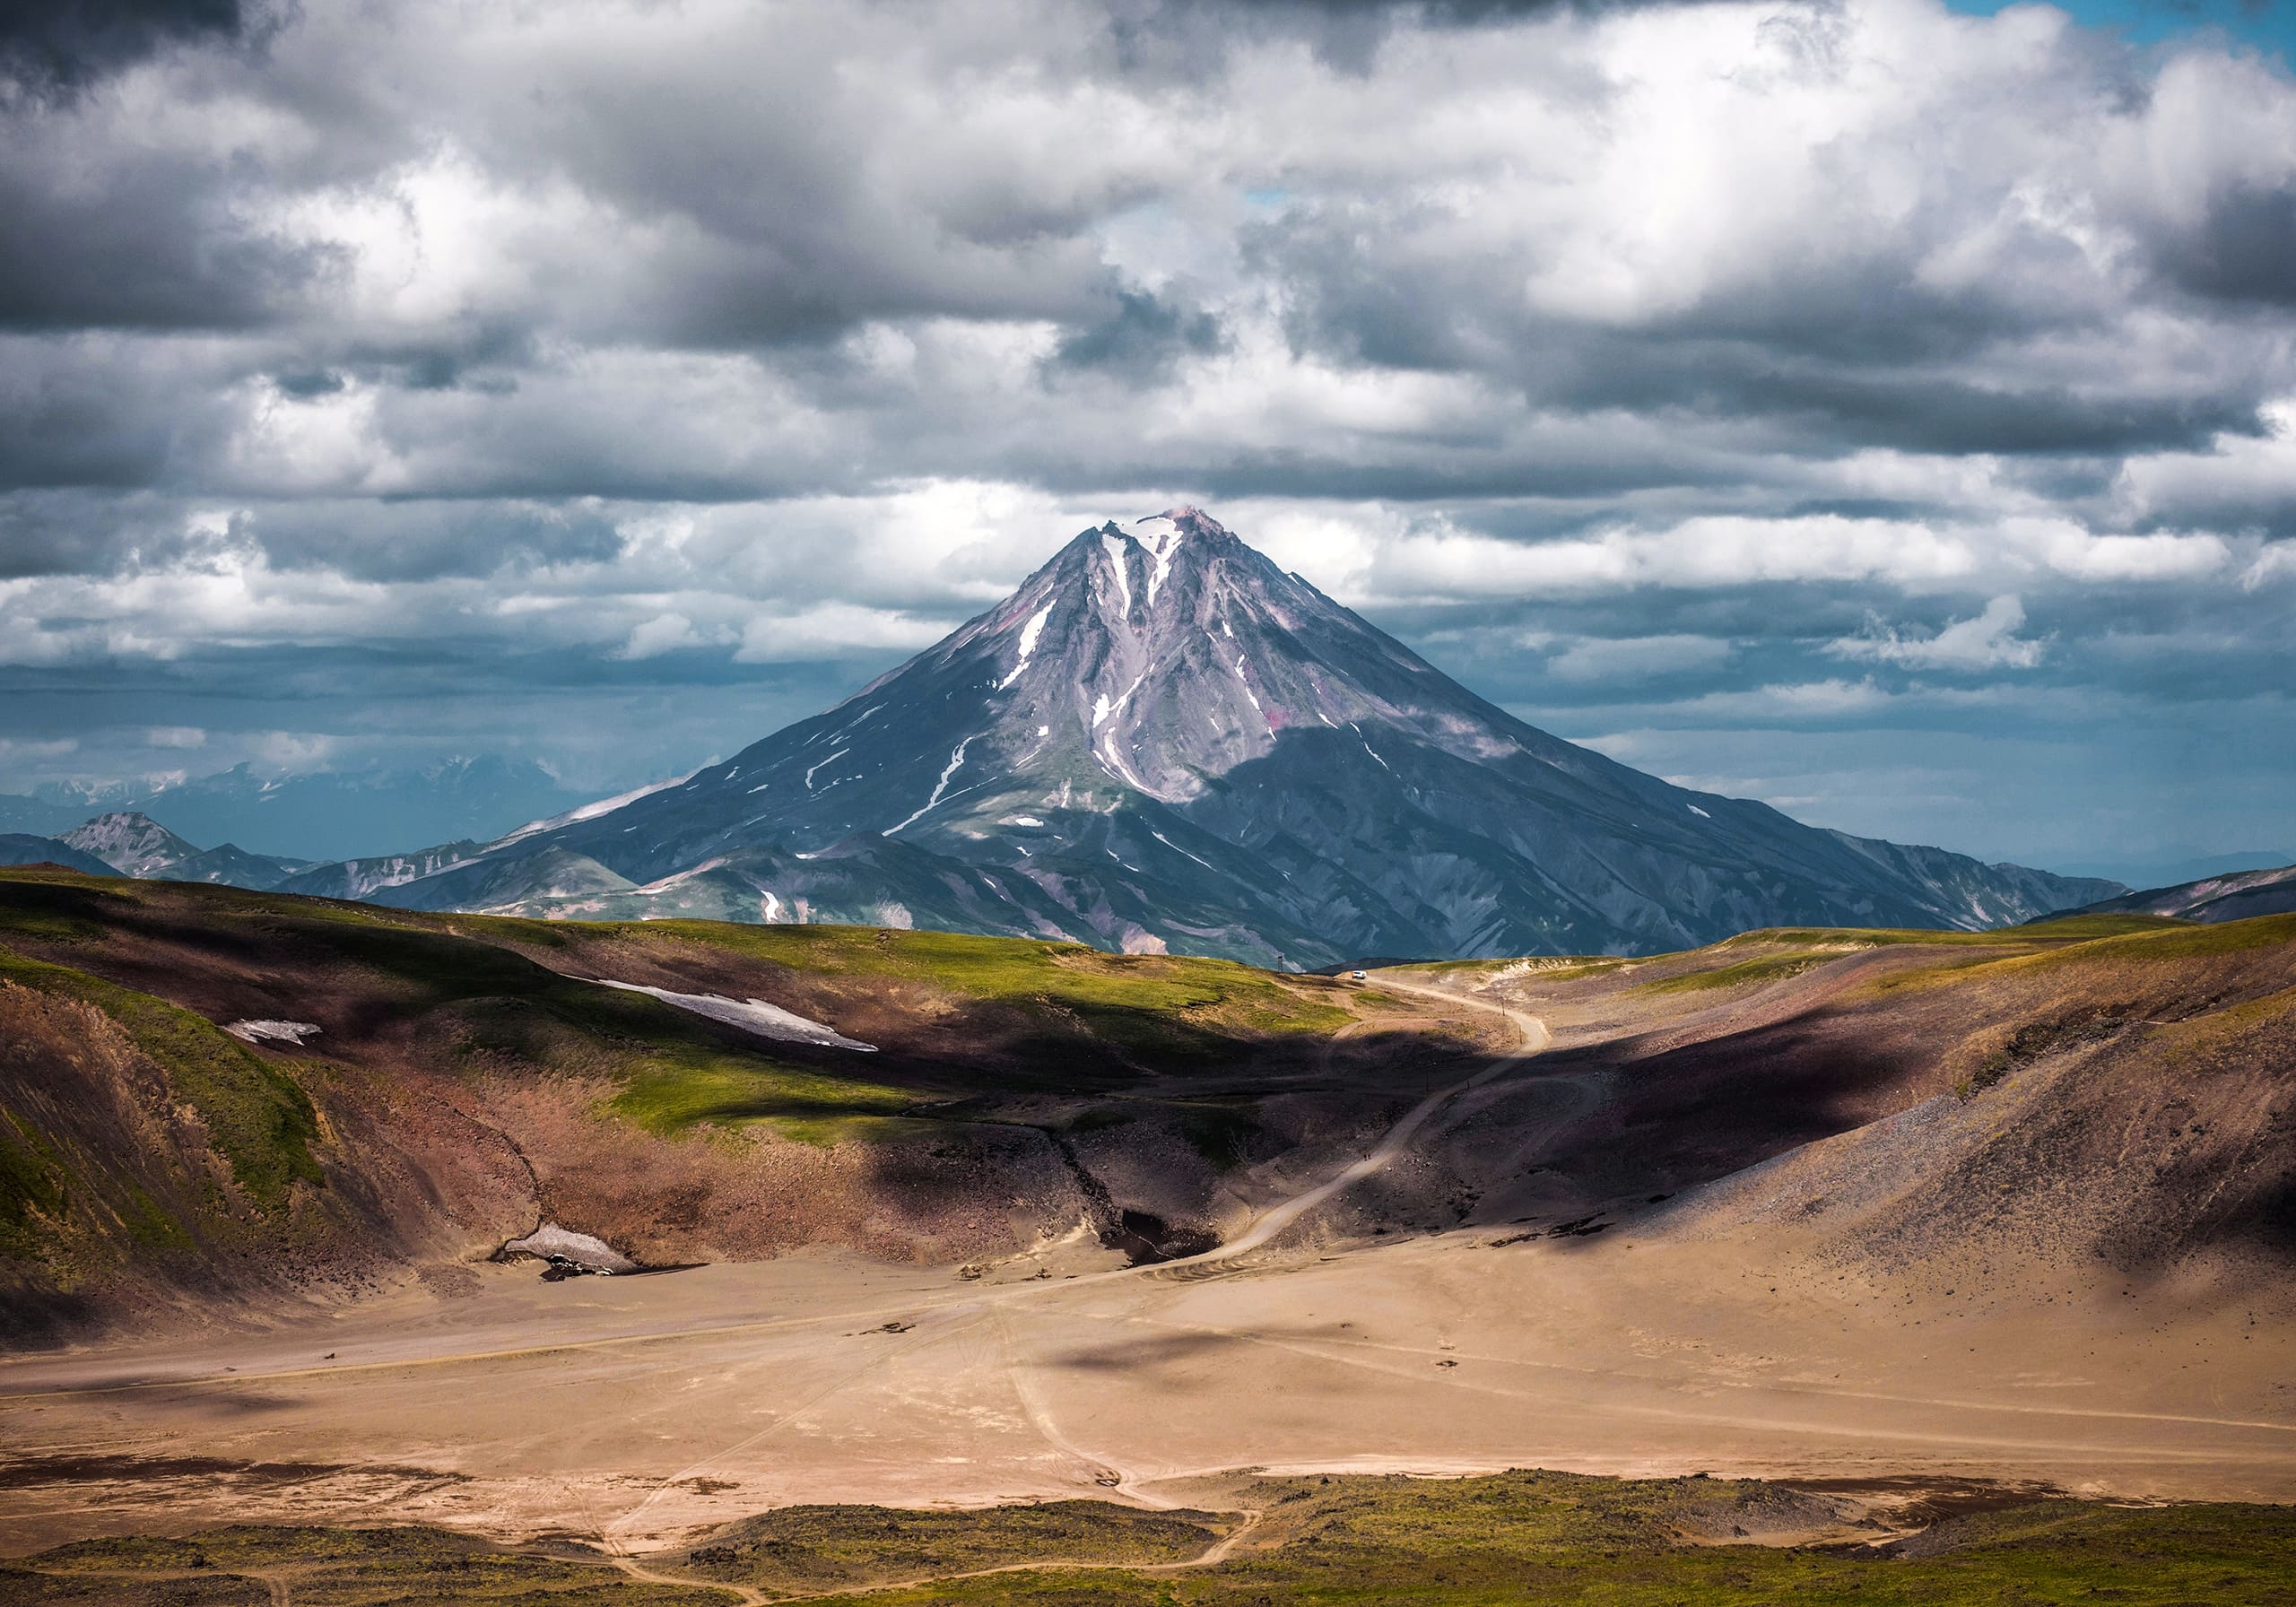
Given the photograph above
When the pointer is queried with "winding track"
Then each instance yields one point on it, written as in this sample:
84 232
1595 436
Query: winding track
1265 1228
1398 1138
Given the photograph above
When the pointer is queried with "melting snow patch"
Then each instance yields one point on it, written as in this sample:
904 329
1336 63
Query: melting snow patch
588 812
832 759
284 1032
1029 634
1247 685
1161 537
753 1015
939 786
674 877
1368 748
1102 707
1176 848
551 1242
1700 814
1026 820
772 906
1115 550
1121 771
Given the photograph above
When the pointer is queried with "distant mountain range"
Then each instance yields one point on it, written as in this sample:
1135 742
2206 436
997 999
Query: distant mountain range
1162 742
324 815
2177 871
2211 899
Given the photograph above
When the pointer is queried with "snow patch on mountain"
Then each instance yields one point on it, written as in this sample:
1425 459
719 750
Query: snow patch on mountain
1029 634
751 1015
1102 708
551 1242
956 760
1113 763
832 759
590 812
1161 537
284 1032
675 877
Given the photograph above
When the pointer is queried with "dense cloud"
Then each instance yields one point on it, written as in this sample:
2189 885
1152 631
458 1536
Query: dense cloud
1782 367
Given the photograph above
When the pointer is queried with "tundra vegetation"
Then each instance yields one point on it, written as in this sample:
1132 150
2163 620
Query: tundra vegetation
1513 1537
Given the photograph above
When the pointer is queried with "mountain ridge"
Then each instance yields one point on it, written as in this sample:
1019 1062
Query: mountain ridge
133 844
2232 896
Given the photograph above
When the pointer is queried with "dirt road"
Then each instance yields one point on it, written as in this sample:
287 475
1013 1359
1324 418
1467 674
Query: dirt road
1394 1142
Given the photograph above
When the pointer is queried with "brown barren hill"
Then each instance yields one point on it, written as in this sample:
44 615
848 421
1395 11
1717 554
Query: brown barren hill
2116 1093
417 1090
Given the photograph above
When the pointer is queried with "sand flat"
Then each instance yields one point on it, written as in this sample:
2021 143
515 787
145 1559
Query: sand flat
641 1408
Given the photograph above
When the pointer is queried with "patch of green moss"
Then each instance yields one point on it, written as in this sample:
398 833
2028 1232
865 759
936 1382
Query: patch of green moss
147 1221
1744 973
2183 940
807 1550
32 1182
668 1094
332 1568
673 1071
1554 1539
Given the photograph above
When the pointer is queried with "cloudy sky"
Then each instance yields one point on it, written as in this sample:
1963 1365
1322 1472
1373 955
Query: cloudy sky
1882 409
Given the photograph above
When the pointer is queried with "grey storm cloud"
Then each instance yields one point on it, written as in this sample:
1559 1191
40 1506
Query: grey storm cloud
1628 355
62 45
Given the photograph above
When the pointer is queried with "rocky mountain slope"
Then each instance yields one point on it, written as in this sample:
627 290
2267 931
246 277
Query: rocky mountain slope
136 845
2228 897
1162 742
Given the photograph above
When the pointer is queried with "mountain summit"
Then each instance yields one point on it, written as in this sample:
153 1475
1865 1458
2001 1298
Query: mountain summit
1163 741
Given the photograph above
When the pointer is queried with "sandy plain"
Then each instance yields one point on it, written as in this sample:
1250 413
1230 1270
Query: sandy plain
635 1411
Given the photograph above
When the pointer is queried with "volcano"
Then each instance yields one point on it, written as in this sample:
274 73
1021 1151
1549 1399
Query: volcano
1162 742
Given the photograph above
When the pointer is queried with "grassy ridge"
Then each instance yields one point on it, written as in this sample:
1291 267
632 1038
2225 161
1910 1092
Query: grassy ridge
258 1117
496 988
1154 1003
1744 973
